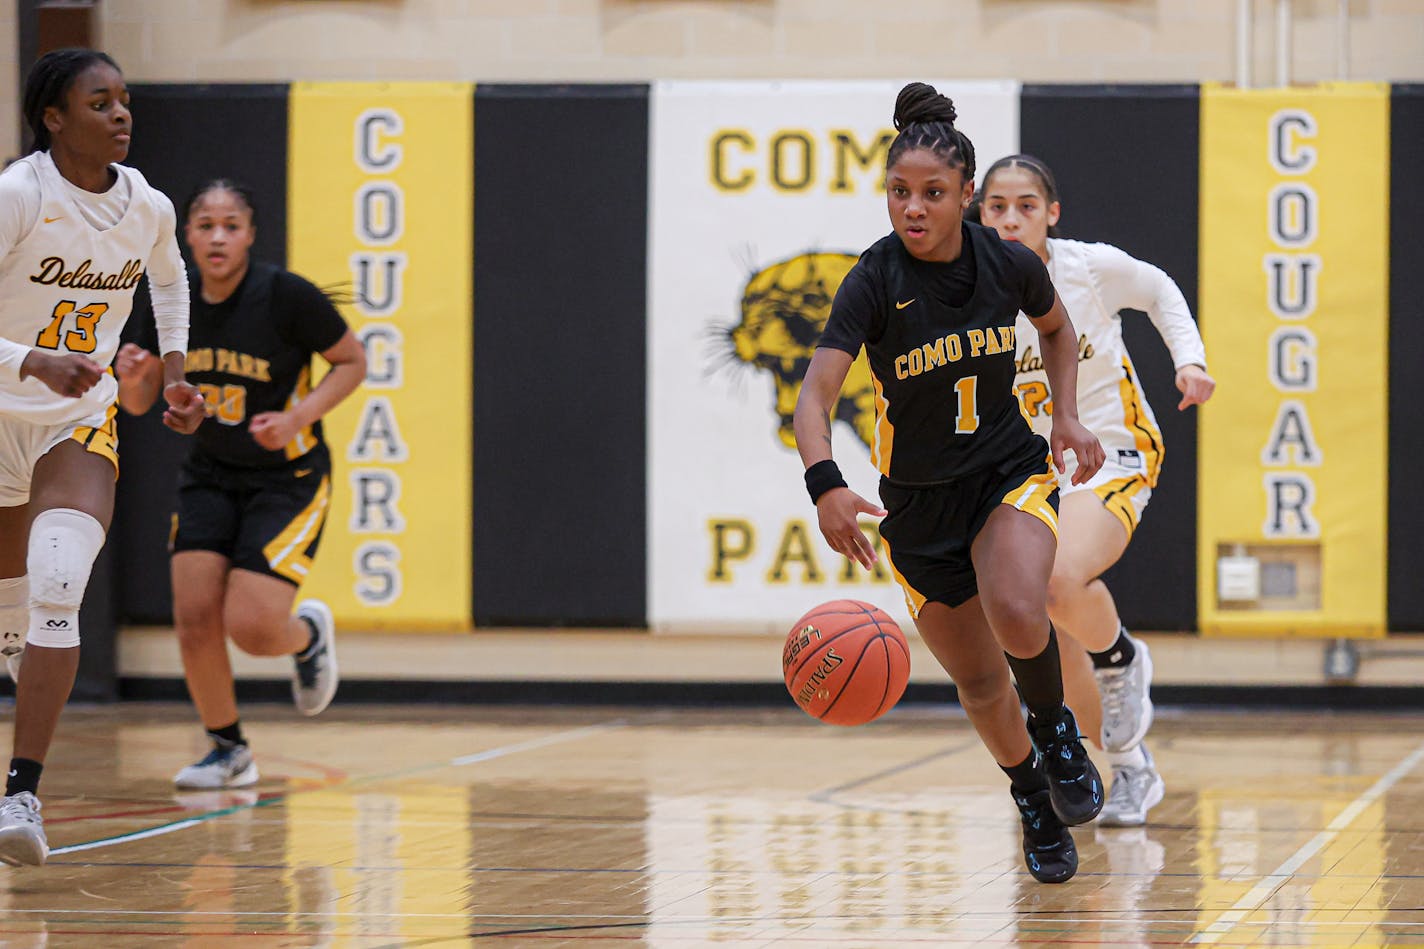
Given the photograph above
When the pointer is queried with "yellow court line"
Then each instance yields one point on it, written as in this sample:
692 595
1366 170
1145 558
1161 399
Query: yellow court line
1261 892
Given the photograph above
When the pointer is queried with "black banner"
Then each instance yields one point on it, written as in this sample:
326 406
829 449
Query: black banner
1406 356
184 136
561 220
1126 161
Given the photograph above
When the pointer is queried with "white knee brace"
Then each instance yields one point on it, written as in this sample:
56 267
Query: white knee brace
14 614
63 545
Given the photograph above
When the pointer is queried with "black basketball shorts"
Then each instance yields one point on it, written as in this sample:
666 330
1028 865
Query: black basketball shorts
267 520
929 530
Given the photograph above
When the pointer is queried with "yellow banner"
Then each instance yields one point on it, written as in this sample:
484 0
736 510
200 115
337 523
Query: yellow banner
1295 310
380 198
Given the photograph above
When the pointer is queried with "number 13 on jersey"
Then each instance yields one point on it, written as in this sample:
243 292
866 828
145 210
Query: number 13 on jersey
84 338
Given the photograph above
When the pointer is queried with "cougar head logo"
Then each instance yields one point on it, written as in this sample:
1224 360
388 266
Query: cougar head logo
784 308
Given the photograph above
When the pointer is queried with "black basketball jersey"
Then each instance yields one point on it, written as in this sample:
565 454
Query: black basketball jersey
251 354
940 341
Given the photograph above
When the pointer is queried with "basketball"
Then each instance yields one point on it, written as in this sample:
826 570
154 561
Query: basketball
846 662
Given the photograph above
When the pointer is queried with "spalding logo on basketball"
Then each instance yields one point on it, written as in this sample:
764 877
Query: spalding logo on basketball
846 662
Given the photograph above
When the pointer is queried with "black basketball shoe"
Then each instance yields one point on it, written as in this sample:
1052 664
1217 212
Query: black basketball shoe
1073 782
1048 848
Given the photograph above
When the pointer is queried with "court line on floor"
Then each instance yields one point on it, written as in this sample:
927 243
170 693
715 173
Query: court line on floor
825 795
1257 896
491 754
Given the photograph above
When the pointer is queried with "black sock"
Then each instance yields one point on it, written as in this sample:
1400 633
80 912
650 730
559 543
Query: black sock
1040 679
311 641
1117 655
228 735
1025 776
24 776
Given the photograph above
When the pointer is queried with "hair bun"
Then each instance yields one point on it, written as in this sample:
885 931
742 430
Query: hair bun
921 102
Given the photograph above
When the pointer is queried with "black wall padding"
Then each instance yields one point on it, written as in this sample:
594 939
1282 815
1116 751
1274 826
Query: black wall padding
185 135
1126 160
1406 359
561 219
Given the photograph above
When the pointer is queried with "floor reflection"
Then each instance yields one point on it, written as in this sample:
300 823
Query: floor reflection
461 827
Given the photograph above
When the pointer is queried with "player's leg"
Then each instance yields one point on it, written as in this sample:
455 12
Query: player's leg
962 641
200 579
1013 558
72 500
19 445
280 532
1097 525
1080 688
14 582
1091 540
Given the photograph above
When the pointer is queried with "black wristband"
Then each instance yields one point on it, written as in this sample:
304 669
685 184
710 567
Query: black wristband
821 477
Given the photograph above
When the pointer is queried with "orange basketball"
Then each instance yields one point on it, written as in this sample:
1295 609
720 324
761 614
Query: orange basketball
846 662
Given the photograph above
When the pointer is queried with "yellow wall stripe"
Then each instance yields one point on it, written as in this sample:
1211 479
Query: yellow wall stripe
1293 303
380 200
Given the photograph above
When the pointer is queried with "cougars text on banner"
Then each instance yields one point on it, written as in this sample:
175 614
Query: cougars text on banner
1294 307
763 196
380 203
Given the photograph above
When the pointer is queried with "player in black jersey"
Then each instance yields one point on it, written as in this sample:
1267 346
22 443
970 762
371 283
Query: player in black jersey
970 497
253 496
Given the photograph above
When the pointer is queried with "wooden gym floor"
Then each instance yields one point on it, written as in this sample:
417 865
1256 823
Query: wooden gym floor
437 826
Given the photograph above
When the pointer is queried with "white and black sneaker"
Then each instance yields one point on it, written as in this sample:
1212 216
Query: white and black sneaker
1127 700
226 766
1136 789
315 676
22 835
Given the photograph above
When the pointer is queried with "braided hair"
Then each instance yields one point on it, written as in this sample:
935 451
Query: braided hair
48 84
925 119
1034 166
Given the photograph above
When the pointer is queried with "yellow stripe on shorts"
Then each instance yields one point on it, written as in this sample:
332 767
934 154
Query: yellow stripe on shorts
1117 496
285 553
914 599
104 440
1031 497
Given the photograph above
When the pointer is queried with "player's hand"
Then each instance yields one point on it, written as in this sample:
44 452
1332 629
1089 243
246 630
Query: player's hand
1195 385
272 430
133 360
186 409
1070 435
838 509
69 375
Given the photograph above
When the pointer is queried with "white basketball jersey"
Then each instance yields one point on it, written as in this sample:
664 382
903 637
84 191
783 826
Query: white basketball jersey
1111 404
68 288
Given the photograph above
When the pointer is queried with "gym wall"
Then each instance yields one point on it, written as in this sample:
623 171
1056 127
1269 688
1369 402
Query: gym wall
615 368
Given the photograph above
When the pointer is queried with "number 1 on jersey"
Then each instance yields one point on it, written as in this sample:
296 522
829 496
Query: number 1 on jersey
966 422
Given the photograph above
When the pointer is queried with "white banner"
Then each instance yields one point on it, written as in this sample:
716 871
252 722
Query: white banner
763 195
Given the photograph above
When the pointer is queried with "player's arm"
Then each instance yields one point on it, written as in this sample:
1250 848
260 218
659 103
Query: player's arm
1125 282
140 375
837 506
168 286
347 357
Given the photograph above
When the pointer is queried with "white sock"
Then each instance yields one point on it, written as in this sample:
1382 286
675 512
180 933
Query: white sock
1133 758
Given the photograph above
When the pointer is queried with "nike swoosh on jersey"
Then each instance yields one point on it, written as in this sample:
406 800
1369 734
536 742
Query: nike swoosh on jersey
51 220
901 306
303 472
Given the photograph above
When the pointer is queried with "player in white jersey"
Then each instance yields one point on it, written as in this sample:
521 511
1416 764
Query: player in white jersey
77 231
1097 518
